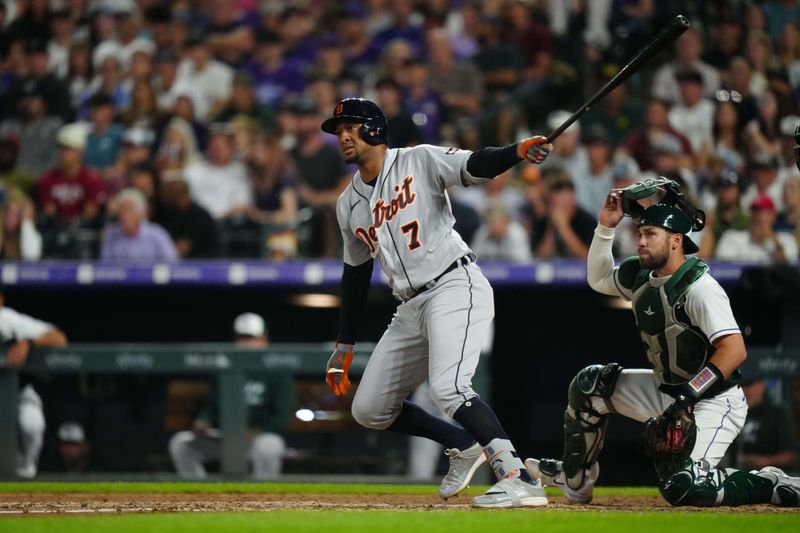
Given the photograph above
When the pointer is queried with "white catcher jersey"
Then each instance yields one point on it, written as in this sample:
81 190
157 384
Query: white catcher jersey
405 221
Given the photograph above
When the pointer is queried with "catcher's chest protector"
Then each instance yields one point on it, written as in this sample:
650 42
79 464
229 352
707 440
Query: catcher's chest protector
676 348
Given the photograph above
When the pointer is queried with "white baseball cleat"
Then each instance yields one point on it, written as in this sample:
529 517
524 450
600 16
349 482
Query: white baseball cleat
786 489
463 465
551 474
512 492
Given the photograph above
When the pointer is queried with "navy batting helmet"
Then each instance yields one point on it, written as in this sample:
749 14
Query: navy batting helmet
375 129
673 219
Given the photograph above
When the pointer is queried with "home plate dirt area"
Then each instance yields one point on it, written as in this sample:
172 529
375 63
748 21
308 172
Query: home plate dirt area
51 503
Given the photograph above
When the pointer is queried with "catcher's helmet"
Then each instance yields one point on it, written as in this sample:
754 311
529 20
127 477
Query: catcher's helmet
375 129
673 219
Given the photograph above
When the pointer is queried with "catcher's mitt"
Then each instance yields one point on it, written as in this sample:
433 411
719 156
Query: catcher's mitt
673 433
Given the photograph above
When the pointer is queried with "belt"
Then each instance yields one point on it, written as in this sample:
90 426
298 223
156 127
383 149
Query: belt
463 260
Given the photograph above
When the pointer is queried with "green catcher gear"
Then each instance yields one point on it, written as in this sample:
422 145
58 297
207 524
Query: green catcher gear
673 219
651 191
584 426
694 485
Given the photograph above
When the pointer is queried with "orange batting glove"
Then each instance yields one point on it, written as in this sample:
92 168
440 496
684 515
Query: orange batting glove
534 150
338 365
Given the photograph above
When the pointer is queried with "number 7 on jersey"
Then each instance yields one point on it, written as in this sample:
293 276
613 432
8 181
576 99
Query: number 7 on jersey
412 230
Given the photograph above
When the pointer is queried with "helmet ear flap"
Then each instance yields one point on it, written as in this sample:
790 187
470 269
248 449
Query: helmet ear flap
372 133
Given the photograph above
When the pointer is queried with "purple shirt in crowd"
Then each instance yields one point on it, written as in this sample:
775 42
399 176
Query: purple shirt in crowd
151 244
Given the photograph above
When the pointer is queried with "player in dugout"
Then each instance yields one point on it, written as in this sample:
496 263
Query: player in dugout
396 211
691 400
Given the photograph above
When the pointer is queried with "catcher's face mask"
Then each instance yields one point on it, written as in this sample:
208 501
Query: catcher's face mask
651 191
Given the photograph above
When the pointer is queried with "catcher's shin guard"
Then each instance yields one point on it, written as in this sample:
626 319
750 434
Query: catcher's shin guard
700 487
584 425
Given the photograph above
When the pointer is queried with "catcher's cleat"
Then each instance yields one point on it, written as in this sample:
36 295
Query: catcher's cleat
512 492
786 489
551 474
463 465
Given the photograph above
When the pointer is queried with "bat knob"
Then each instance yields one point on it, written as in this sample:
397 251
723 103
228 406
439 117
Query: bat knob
681 20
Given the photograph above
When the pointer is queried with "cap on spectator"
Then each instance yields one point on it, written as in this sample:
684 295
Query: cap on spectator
166 55
765 160
556 118
71 432
557 179
689 75
667 144
303 107
220 128
726 178
625 167
596 133
762 201
249 325
100 99
138 136
72 136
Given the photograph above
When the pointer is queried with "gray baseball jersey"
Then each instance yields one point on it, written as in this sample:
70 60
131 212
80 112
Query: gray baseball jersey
405 221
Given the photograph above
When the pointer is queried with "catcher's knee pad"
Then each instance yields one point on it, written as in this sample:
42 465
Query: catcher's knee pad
700 486
584 424
686 487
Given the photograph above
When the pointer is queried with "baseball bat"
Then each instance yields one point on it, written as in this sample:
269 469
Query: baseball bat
669 33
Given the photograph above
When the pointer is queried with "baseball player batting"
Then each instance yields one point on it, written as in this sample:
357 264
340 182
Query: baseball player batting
396 211
690 400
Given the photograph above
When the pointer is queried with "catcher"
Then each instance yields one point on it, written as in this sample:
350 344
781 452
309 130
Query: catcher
690 401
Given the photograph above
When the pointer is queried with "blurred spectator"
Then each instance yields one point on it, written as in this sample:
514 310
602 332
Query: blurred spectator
11 176
592 187
568 152
178 146
761 244
403 131
500 189
128 25
768 436
564 230
693 114
789 218
669 159
211 79
625 172
19 238
270 399
21 334
133 238
80 74
35 129
390 66
146 179
360 52
31 21
758 52
501 237
276 78
329 63
105 137
297 33
142 109
532 39
53 91
460 86
765 179
406 25
619 112
71 190
322 176
421 101
111 81
166 82
779 14
274 175
243 102
639 144
727 136
728 213
688 51
191 227
61 26
218 182
762 134
73 448
137 148
739 91
228 36
726 42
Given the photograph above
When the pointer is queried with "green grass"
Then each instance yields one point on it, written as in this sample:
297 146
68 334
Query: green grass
427 521
263 488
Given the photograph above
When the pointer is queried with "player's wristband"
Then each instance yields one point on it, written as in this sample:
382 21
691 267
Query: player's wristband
703 380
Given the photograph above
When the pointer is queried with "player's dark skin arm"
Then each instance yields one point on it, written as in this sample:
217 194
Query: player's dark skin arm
355 288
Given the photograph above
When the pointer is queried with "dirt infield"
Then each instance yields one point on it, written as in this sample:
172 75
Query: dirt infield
37 504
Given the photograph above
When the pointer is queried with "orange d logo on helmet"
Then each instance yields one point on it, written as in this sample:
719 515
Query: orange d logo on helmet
339 109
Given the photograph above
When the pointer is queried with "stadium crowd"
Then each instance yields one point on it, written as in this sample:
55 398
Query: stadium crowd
158 131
